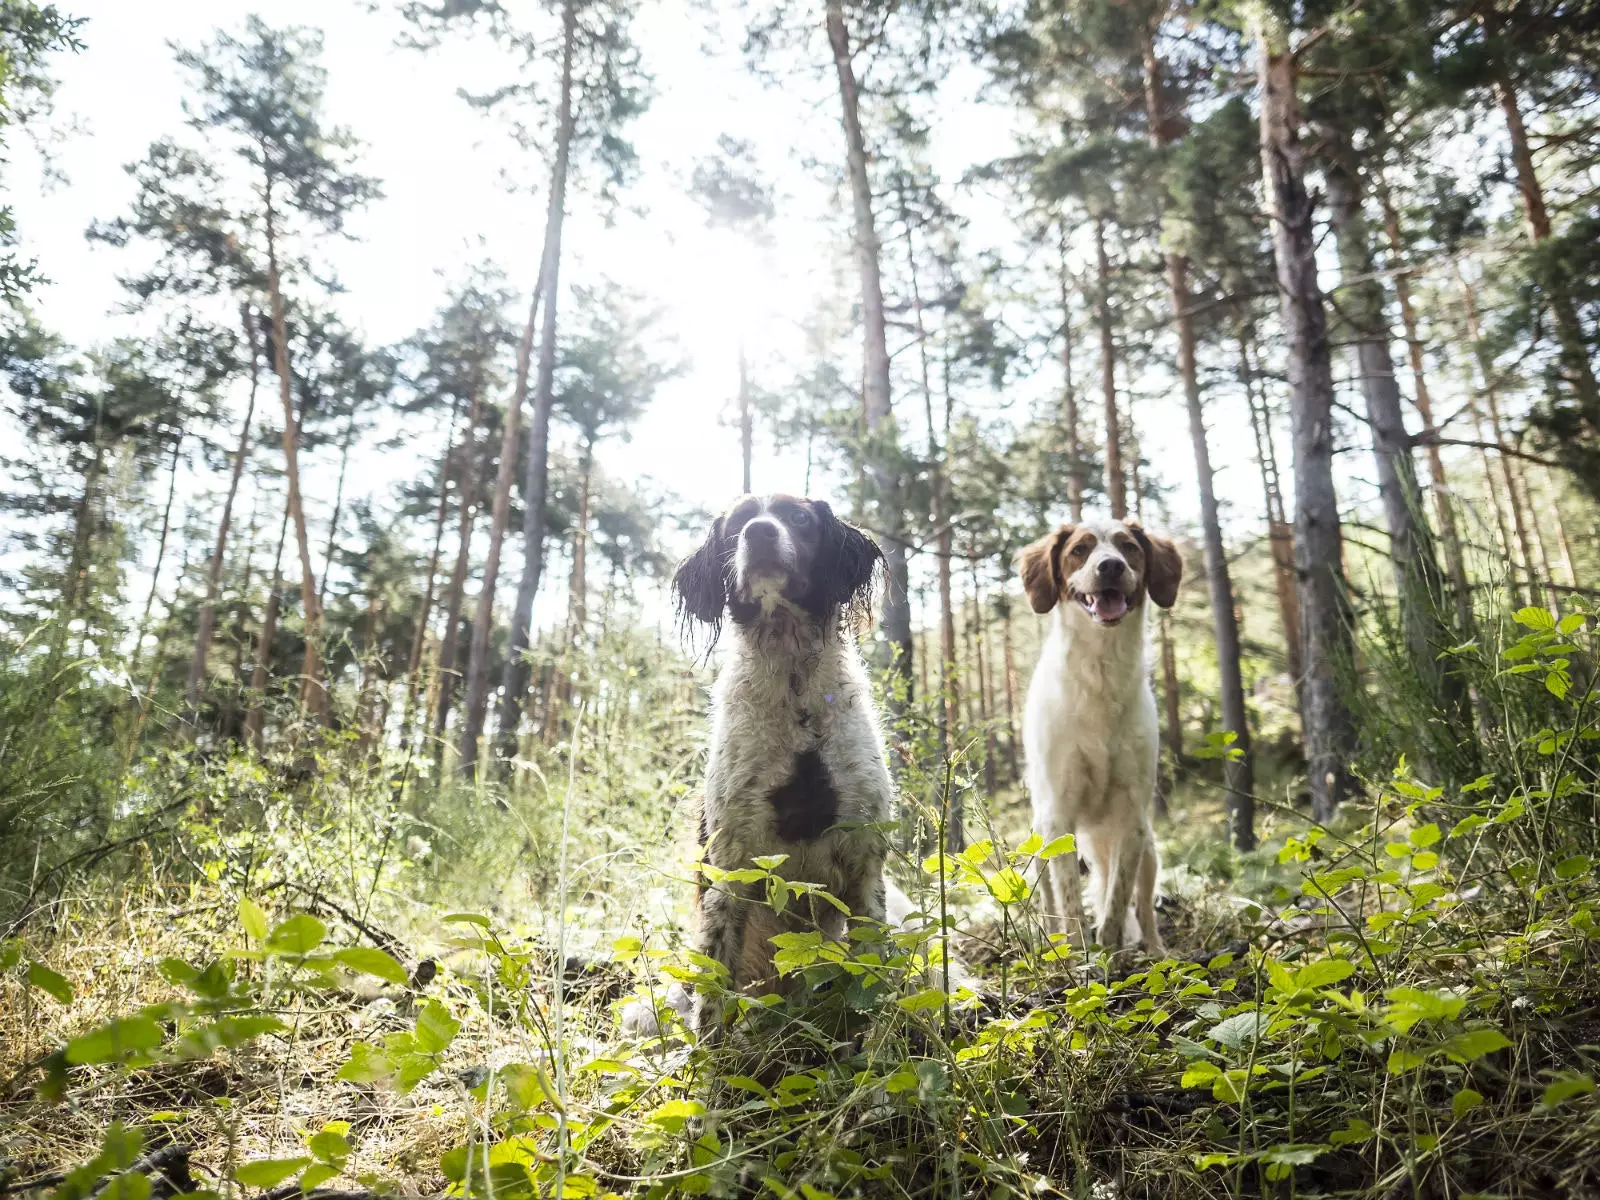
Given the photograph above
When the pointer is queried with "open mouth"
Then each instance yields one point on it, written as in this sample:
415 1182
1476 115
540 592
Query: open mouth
1106 607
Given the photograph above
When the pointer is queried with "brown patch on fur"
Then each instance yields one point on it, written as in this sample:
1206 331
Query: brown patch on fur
1039 563
1163 565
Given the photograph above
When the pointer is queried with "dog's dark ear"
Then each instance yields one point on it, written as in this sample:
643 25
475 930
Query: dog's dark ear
1163 565
847 561
702 580
1040 567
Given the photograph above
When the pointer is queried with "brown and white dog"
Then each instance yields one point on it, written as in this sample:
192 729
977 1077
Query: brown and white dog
796 764
1089 728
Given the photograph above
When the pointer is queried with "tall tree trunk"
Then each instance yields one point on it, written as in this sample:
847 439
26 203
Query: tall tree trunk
208 607
1496 434
313 694
578 606
1327 645
514 672
1116 488
449 667
1443 500
1069 393
419 635
1013 763
338 506
1419 583
255 718
1575 362
882 452
371 669
161 554
747 425
985 691
1280 533
1238 770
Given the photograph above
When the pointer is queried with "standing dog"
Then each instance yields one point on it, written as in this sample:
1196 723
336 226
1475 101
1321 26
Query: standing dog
796 761
1089 728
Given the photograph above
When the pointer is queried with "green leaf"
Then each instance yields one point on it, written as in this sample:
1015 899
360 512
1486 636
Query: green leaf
297 937
1323 973
1401 1061
1467 824
1534 618
923 1000
672 1115
114 1041
370 961
1008 886
268 1172
1565 1088
252 920
367 1064
466 918
1573 868
1238 1032
1473 1045
329 1147
1425 836
1199 1074
1464 1102
135 1185
1355 1132
1031 845
47 981
318 1173
1425 860
436 1028
1065 844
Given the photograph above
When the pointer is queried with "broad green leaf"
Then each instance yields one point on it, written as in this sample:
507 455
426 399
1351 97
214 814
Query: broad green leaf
114 1041
371 961
1355 1132
1323 973
1008 886
1533 617
1238 1032
902 1080
134 1185
1573 868
1571 623
1425 860
297 937
436 1028
1425 836
252 920
329 1147
368 1064
467 919
673 1114
317 1173
923 1000
1464 1102
1031 845
1473 1045
1065 844
1401 1061
1566 1088
1199 1074
269 1172
47 981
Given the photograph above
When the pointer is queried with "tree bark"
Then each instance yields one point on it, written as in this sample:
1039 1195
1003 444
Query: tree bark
578 606
161 554
449 669
1238 770
1569 329
255 718
313 694
1280 533
338 506
1419 583
881 453
1327 646
1116 488
1069 393
535 484
1443 500
208 607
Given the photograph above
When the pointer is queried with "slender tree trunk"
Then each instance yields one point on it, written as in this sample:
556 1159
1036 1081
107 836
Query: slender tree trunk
449 668
985 693
1327 645
1116 488
1443 499
1239 770
535 484
76 580
882 452
208 607
1575 362
1069 393
1170 690
419 635
1010 664
255 718
371 669
161 554
1496 434
1419 583
313 694
579 599
746 418
1280 533
338 506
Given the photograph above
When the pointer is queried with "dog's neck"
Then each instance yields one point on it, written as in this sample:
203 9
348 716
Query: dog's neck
1117 652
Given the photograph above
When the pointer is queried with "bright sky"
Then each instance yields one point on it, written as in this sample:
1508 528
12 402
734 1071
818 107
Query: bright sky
441 166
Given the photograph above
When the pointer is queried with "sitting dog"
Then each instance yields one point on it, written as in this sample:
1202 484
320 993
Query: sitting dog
1089 728
796 761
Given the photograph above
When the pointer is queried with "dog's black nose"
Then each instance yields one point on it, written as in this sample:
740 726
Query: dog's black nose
1110 568
761 531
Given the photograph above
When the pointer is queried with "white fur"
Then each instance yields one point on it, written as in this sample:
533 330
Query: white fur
1090 733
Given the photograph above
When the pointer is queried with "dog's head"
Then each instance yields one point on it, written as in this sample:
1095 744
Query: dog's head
778 558
1103 568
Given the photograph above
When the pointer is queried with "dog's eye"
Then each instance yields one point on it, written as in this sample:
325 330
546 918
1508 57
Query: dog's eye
1079 550
800 518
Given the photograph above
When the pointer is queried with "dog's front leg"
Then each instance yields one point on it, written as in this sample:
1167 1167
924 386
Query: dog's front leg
1066 882
722 921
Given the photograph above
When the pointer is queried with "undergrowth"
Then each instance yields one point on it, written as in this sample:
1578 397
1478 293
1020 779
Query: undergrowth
320 970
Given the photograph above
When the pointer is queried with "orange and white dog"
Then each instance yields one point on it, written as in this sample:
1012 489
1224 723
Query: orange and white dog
1089 728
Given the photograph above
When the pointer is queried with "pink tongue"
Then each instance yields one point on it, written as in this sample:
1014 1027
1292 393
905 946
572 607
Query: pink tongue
1110 605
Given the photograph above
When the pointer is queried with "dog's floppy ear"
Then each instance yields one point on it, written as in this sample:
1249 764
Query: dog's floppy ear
1163 565
702 581
1040 566
847 560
